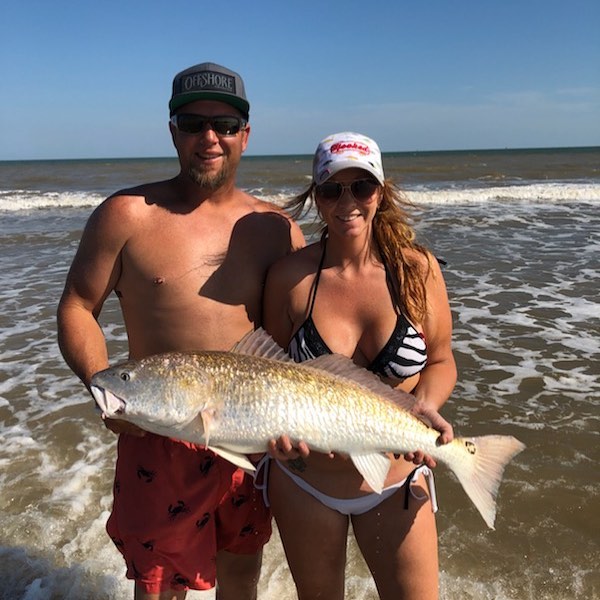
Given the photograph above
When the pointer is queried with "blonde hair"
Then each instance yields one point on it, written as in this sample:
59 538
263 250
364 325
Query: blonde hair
395 238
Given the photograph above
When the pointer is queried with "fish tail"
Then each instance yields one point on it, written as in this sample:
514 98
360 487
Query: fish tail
480 469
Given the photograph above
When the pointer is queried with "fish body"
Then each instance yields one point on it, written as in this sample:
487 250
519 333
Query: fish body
236 402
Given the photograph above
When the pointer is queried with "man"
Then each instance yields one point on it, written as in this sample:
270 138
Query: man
187 259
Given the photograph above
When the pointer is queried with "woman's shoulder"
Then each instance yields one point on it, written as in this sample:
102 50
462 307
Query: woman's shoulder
419 256
428 267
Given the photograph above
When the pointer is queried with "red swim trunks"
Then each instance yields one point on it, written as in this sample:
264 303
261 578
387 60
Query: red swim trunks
175 506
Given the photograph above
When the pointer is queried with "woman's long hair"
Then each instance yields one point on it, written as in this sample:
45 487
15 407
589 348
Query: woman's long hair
394 236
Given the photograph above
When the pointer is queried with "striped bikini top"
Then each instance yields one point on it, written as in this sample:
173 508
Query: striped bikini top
404 354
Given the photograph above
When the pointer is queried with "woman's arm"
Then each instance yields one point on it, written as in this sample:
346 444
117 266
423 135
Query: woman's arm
438 378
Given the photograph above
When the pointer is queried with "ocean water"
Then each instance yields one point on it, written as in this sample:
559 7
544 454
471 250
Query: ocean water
520 232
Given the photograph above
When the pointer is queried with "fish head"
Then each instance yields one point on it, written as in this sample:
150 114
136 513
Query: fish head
157 393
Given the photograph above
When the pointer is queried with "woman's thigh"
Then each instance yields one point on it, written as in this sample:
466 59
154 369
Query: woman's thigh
313 536
400 545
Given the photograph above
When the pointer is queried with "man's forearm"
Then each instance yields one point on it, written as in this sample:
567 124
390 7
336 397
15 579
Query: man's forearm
81 342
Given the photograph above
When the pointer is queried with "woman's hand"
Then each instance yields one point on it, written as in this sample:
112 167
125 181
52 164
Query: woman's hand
282 449
432 417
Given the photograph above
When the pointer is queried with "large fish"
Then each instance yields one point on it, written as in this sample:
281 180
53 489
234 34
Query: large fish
235 402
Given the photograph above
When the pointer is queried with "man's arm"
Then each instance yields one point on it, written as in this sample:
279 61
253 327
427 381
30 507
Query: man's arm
297 237
278 324
94 273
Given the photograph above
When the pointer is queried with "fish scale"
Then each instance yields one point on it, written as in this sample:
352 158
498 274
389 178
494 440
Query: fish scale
349 420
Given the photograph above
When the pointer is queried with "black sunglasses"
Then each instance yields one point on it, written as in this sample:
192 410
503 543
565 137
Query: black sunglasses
361 189
221 125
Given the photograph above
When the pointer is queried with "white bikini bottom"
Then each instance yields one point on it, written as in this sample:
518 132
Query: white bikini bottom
350 506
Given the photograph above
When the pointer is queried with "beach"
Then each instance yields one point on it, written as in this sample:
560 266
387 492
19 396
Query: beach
519 231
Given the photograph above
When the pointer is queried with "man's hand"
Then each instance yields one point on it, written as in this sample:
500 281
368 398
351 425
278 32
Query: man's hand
119 426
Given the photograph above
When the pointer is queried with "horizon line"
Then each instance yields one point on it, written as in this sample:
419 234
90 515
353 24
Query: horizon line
303 154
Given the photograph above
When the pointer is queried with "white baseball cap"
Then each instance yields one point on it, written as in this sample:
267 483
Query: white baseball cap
346 150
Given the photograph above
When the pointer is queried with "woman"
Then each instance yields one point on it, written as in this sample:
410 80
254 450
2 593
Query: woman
366 290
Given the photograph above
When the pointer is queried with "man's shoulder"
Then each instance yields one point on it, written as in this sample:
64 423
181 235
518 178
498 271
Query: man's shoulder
263 213
145 192
263 206
139 198
280 214
305 260
125 209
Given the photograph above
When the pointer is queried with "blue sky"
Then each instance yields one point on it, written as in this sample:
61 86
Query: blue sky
87 79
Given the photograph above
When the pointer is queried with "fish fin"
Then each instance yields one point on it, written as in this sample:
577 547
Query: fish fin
373 467
260 343
337 364
239 460
481 474
207 415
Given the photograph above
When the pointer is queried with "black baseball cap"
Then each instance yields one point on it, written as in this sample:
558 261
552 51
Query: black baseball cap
209 81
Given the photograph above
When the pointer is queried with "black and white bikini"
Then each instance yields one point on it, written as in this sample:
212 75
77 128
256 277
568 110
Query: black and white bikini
404 354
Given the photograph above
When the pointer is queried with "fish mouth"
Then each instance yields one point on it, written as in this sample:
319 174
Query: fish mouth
109 404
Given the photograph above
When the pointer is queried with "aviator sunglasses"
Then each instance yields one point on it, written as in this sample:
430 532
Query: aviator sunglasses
221 125
361 189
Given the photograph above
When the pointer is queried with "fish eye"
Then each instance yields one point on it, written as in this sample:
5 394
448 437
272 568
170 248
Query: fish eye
125 376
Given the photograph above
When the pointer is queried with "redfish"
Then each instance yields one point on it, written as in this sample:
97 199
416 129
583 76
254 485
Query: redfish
235 402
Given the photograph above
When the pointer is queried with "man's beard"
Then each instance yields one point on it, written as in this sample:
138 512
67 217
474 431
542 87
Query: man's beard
210 181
